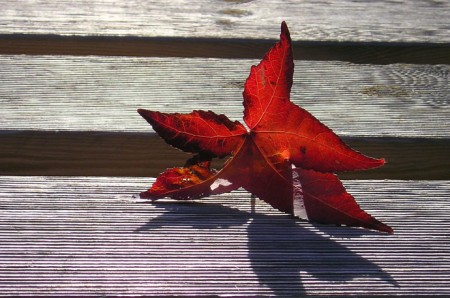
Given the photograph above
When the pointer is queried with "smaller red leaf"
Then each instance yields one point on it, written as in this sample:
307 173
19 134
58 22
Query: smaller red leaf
183 183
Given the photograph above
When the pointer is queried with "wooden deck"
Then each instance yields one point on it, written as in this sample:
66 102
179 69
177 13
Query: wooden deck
89 235
74 153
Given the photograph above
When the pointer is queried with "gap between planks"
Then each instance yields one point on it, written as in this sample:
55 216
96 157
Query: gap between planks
140 154
354 52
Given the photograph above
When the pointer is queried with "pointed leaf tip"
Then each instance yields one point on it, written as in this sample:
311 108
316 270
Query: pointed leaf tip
285 30
141 112
285 35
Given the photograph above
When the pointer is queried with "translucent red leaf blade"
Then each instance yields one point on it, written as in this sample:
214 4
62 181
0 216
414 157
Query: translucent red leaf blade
308 143
270 81
198 132
325 200
269 178
284 128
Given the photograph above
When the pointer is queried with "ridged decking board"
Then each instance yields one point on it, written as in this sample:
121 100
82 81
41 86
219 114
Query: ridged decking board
91 236
386 21
46 93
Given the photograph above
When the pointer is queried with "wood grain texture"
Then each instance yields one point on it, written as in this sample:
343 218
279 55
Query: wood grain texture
387 21
90 236
102 93
147 155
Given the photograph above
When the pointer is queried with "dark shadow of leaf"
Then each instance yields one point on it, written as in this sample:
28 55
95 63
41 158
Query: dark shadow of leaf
279 247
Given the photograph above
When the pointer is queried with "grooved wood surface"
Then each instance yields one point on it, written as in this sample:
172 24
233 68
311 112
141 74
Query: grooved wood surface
346 20
90 236
102 93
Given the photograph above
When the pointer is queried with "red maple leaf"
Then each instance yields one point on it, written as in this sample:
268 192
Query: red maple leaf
285 156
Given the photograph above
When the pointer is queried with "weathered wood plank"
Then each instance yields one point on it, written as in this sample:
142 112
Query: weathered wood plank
103 93
87 235
135 154
345 20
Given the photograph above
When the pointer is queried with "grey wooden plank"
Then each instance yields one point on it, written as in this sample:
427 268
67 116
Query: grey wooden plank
90 235
345 20
102 93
